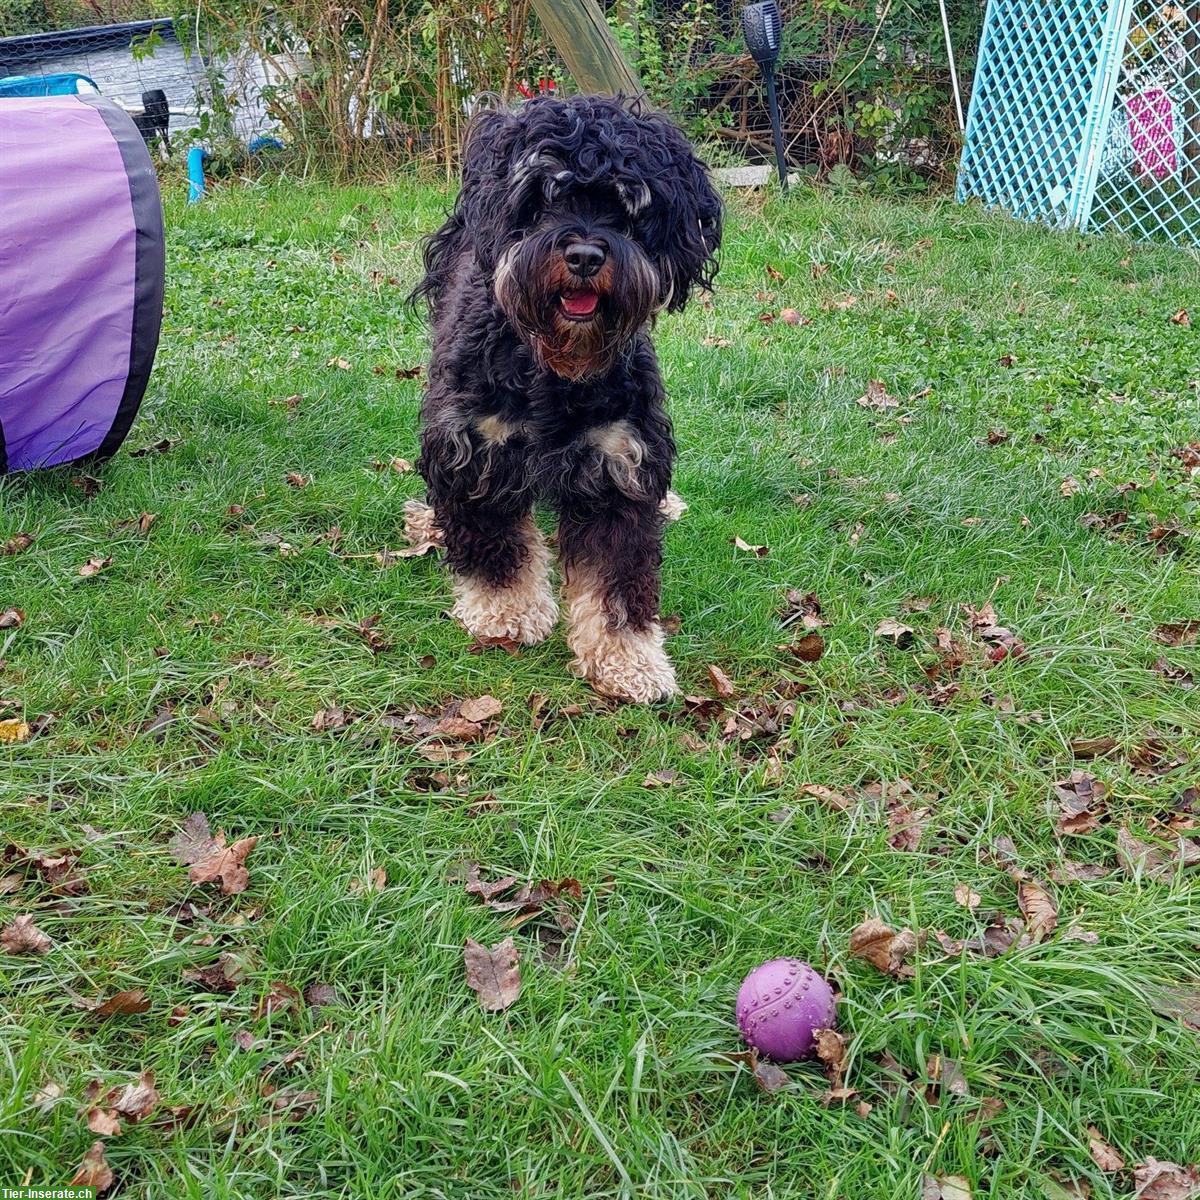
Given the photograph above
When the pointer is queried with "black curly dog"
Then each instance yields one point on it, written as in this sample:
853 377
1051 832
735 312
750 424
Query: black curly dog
578 221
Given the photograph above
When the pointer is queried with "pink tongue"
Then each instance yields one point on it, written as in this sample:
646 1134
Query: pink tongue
580 304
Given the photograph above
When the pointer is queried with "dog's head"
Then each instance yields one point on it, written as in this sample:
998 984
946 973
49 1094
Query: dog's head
588 217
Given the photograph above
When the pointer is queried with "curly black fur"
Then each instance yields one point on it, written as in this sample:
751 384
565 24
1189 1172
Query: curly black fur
543 383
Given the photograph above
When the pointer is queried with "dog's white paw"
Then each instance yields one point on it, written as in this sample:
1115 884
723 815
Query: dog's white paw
523 612
673 506
626 664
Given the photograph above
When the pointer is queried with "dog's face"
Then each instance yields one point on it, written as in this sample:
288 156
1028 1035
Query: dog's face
588 219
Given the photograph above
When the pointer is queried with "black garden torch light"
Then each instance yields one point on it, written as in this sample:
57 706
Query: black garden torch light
763 27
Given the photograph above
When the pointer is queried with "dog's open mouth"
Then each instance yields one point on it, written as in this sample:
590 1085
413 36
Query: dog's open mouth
579 305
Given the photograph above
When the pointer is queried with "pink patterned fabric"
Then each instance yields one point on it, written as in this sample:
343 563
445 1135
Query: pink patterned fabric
1152 132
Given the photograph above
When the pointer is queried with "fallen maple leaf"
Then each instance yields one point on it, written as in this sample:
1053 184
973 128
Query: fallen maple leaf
223 975
296 479
1081 802
10 618
1069 487
827 795
884 948
965 895
759 551
804 607
94 566
94 1171
209 858
831 1050
280 998
17 543
22 936
104 1122
661 779
486 890
1103 1155
1182 318
494 975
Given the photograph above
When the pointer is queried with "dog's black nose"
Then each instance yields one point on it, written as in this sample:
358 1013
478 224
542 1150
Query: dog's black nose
584 258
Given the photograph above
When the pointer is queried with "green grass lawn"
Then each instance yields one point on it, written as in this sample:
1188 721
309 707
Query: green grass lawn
185 677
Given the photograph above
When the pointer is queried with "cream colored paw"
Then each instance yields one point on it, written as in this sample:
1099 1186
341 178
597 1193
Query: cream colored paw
523 610
627 664
672 507
524 613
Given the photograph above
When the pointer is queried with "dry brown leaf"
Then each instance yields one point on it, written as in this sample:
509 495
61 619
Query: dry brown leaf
804 607
883 947
661 779
481 708
123 1004
900 633
722 684
945 1187
22 936
94 1171
877 396
965 895
831 1050
280 998
1155 1180
296 479
1081 802
10 618
486 890
1138 857
759 551
827 795
808 649
94 566
769 1077
104 1122
225 864
1178 633
494 975
1039 909
1181 318
1069 487
1103 1155
138 1099
17 543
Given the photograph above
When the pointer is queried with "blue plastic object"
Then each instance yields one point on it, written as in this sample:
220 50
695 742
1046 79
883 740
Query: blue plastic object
1086 114
195 171
62 84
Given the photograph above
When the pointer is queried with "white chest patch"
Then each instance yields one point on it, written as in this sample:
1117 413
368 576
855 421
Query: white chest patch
494 431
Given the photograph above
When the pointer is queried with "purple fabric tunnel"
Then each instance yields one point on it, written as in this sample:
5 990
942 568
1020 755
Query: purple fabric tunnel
81 278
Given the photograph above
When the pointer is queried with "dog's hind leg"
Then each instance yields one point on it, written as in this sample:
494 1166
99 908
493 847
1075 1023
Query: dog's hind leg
611 558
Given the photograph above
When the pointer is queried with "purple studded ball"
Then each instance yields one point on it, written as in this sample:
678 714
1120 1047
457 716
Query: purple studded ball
780 1004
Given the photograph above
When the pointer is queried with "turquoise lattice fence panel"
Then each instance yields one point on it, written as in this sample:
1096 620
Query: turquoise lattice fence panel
1148 180
1031 106
1086 113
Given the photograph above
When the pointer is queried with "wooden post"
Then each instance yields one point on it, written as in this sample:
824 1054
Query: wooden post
582 36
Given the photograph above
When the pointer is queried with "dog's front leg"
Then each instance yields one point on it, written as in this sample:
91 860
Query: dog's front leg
501 573
611 557
497 554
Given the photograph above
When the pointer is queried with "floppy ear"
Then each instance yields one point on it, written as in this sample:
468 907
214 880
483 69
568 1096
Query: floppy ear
480 211
485 202
682 225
